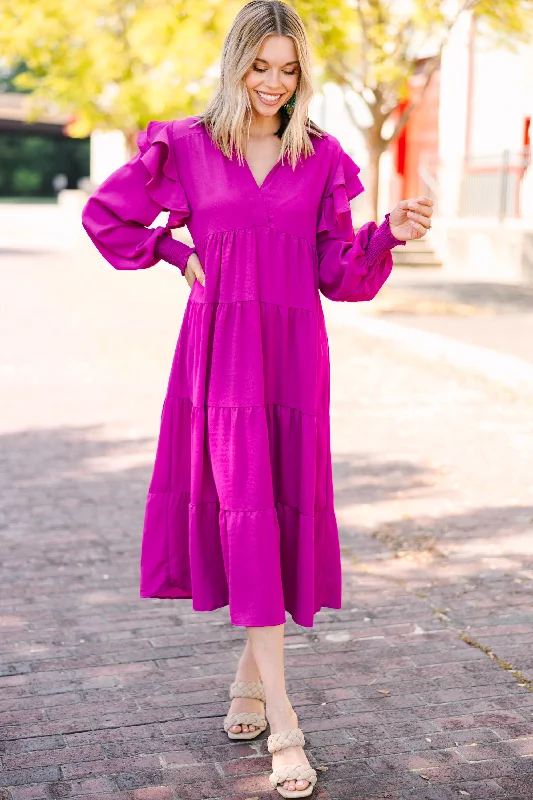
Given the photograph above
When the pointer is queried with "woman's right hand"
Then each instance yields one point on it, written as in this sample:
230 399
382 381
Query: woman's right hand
194 271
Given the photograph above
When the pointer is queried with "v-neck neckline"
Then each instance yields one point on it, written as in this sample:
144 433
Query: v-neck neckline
267 176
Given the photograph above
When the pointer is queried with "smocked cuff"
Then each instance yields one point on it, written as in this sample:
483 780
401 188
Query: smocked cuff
381 241
172 250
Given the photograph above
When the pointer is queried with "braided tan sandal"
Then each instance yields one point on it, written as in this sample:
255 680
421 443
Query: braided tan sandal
291 772
254 691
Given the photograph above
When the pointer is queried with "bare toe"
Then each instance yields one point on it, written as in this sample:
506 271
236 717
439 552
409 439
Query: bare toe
291 786
235 729
301 785
251 728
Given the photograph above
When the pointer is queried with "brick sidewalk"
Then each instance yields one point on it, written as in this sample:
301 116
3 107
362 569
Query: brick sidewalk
419 689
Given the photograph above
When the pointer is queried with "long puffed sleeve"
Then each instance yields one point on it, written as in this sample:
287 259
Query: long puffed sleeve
117 215
352 266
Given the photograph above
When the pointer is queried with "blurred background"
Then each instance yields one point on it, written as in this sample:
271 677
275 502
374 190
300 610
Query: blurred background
421 686
430 99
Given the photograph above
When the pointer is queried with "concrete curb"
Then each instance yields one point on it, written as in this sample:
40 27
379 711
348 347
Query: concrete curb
508 370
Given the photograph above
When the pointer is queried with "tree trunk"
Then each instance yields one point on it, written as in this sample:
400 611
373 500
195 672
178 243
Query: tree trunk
131 142
376 147
373 184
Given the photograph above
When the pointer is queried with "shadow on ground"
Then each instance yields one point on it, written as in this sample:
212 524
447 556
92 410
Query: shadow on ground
106 694
497 297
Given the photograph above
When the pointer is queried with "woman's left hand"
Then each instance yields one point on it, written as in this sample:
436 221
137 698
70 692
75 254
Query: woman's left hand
411 219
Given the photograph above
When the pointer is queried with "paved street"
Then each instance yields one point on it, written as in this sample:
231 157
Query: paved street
486 314
420 688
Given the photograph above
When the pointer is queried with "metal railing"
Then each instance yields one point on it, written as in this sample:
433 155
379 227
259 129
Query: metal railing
488 186
491 186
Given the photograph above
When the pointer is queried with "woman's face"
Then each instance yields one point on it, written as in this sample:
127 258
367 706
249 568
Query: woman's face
273 77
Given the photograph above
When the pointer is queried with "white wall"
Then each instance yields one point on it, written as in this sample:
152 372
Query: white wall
108 153
502 97
453 115
328 110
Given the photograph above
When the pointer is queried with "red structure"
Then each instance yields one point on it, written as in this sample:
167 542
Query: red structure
417 147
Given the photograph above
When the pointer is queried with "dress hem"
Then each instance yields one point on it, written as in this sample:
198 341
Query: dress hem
241 623
313 578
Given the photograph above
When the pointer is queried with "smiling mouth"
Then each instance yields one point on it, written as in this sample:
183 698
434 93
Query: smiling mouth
268 99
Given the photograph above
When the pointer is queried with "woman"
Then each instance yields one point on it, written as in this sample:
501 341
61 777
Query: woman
240 505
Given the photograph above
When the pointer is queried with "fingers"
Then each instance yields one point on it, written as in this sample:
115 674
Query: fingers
404 204
189 276
419 227
420 208
424 220
423 205
195 270
192 275
424 201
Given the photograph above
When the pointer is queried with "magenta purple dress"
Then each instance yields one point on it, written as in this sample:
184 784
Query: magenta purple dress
240 506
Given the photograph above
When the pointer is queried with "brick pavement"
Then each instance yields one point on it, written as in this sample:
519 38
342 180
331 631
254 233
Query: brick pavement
418 689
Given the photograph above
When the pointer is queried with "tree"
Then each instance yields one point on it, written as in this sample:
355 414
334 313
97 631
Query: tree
373 47
115 64
119 63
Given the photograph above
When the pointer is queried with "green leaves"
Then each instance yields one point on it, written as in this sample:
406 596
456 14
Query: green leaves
114 64
378 44
374 48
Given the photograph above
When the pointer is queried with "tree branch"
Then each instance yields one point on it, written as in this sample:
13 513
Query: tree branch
364 48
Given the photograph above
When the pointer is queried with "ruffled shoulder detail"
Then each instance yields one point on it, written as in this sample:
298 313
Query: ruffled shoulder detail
343 186
164 187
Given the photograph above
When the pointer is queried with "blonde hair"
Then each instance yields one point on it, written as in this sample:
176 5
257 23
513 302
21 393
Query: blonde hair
228 114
